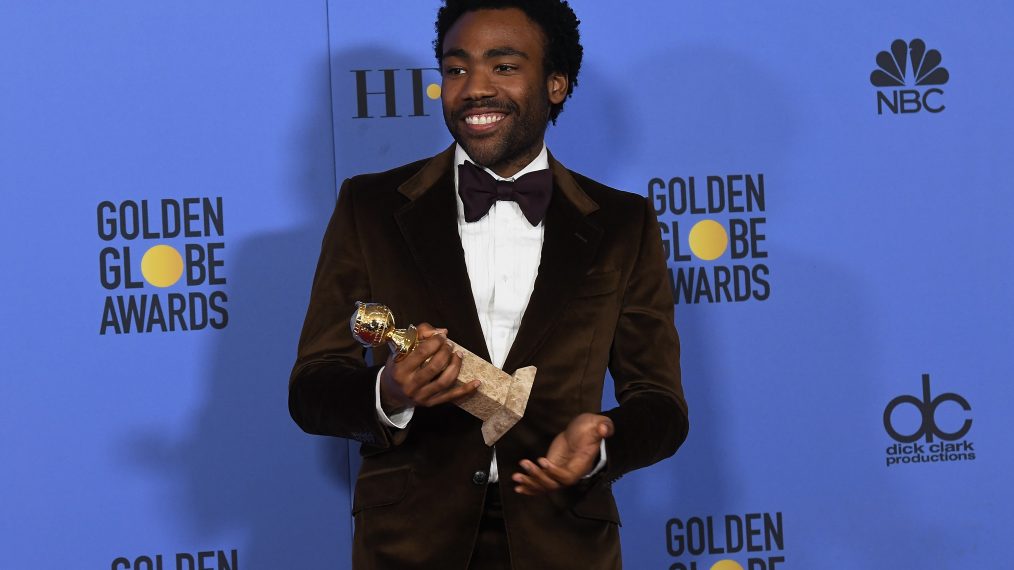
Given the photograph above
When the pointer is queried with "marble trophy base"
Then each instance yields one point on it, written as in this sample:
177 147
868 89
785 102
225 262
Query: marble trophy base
501 399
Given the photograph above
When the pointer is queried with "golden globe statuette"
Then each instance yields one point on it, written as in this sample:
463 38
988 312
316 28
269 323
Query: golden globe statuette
499 402
373 325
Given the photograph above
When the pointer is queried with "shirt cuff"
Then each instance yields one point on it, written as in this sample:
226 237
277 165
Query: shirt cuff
399 419
602 460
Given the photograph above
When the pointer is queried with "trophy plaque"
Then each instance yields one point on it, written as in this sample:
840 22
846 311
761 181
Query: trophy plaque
501 398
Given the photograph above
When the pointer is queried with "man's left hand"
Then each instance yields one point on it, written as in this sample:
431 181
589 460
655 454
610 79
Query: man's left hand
571 456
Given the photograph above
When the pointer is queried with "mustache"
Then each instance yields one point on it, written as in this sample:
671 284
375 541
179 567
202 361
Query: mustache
486 105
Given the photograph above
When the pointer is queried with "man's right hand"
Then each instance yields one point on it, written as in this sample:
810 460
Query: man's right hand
426 376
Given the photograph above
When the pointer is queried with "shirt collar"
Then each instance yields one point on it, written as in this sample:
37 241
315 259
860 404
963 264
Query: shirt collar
541 162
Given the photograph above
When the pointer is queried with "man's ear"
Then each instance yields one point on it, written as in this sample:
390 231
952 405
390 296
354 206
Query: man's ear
557 84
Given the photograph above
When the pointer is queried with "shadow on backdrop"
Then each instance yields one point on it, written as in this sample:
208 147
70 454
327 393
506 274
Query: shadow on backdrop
246 466
704 110
245 469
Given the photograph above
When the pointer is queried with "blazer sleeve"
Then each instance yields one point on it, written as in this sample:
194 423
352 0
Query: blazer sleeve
651 421
331 388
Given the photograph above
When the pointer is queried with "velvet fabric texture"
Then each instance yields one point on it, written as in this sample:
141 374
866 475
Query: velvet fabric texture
601 300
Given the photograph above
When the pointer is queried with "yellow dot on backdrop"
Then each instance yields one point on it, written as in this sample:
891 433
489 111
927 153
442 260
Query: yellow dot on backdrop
433 91
726 565
162 266
708 240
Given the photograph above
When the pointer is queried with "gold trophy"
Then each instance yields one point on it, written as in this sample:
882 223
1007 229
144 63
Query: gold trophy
501 398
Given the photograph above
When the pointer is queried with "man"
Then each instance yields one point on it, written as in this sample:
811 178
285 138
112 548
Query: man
560 272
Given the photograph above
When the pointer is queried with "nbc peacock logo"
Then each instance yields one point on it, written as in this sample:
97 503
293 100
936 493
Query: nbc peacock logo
907 76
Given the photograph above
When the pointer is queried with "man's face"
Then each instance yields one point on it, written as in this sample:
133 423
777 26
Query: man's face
496 95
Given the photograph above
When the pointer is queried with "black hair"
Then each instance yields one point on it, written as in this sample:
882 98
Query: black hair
559 25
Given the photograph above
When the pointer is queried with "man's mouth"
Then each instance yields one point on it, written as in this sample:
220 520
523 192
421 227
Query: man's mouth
484 119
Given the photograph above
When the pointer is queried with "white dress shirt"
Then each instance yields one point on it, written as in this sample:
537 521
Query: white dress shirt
502 255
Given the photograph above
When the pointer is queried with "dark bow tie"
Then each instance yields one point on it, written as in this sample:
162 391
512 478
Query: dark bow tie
479 191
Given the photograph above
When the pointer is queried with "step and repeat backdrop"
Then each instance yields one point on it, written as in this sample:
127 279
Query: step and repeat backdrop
832 184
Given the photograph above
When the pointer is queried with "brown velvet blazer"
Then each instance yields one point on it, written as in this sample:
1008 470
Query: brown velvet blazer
601 300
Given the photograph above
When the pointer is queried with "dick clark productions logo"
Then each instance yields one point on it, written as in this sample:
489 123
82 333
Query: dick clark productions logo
907 76
939 443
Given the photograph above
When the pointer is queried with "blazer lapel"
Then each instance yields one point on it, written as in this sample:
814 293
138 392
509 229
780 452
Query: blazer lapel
571 242
429 225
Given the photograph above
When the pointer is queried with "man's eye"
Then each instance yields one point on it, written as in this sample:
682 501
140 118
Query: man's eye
506 67
454 71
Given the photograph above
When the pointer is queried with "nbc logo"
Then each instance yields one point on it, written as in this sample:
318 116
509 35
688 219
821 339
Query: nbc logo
909 65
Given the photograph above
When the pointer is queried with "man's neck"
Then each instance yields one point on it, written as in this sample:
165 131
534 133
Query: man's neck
511 167
537 161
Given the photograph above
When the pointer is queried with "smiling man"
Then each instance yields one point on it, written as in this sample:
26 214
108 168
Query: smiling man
523 262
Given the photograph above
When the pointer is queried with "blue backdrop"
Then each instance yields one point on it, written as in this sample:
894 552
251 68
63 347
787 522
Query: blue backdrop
836 236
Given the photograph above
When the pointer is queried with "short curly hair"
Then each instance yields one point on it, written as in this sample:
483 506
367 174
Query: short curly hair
563 51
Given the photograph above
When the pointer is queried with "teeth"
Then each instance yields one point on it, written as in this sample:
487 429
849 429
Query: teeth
483 119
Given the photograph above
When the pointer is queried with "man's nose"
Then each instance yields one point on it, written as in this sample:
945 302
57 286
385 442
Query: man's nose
479 85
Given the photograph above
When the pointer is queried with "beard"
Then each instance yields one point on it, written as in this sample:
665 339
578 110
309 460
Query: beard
514 146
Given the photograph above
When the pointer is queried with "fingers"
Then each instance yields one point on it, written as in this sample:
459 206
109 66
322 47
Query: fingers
454 394
427 363
572 454
427 376
430 341
444 387
587 431
426 330
606 428
544 477
436 362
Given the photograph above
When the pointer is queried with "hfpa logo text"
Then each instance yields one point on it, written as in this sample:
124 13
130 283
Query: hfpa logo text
395 92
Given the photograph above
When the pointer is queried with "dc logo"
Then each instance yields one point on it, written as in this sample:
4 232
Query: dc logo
927 407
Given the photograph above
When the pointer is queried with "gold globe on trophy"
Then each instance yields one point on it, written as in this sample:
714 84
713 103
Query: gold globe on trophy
373 325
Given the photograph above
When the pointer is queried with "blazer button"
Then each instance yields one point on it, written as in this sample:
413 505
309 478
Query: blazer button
480 478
